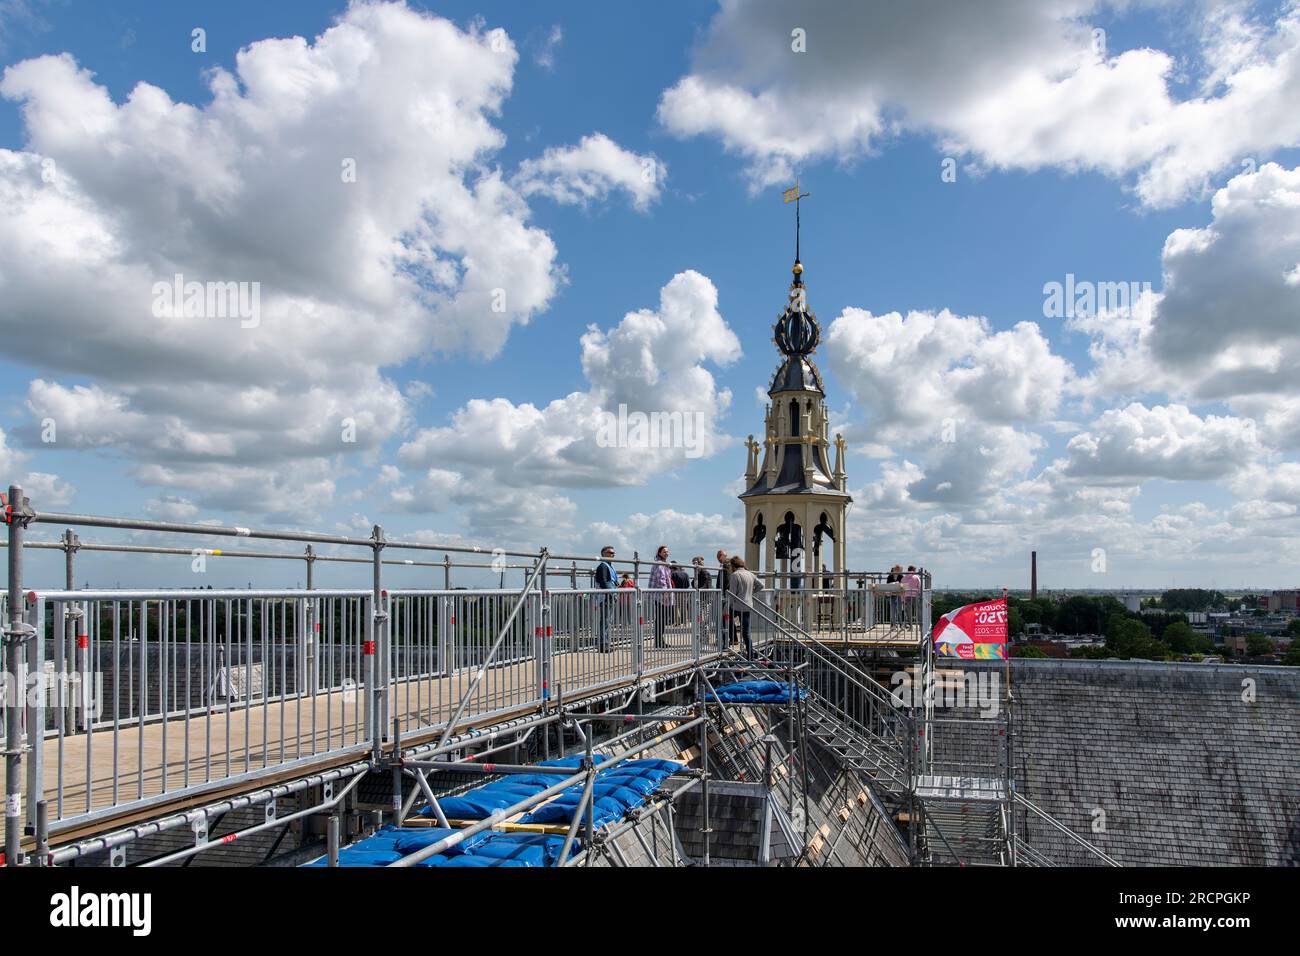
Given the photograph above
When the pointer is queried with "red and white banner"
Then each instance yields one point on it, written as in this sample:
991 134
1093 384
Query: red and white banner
973 631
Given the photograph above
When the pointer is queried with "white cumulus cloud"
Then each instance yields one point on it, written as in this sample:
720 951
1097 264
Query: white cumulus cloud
348 176
1017 84
591 170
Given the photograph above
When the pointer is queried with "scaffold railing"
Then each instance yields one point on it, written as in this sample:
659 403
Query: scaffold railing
882 732
151 697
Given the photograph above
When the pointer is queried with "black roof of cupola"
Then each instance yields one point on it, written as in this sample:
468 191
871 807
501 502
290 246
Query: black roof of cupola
797 334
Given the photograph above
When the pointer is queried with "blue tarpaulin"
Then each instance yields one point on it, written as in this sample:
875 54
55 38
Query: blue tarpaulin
758 692
617 789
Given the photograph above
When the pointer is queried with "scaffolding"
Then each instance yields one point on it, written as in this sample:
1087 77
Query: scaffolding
176 707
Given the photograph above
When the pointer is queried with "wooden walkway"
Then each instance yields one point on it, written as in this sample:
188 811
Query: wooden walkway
195 756
878 635
108 768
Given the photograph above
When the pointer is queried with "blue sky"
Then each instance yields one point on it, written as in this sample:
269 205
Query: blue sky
1101 434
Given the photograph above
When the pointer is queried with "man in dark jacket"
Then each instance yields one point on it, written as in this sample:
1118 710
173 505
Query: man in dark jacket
681 581
703 580
724 584
606 581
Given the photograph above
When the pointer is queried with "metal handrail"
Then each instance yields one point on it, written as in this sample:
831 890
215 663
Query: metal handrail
1035 857
862 679
1095 851
939 830
896 764
496 645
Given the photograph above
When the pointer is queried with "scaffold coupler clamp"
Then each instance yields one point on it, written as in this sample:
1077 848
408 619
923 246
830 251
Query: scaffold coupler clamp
17 512
18 634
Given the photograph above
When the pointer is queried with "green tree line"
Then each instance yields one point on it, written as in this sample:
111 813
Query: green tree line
1151 636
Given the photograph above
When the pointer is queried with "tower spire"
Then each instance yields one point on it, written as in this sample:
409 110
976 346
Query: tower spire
791 487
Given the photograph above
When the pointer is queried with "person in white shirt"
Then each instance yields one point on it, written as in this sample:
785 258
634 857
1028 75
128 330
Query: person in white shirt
744 584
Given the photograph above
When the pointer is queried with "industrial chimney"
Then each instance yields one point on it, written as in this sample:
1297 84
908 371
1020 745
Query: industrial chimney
1033 575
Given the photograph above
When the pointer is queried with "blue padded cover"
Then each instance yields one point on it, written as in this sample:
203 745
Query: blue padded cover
530 849
475 861
475 804
650 763
758 691
359 855
410 840
542 781
512 788
636 783
560 810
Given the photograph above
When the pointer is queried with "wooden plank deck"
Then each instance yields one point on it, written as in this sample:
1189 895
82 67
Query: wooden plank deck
208 748
195 758
878 635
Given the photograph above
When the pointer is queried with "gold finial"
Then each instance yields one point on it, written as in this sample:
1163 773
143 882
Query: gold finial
798 268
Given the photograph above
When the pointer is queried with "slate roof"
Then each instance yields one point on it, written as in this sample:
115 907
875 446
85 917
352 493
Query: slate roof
1191 764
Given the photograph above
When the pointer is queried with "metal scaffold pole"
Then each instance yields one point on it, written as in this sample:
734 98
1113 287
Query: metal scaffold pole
1010 779
306 669
70 545
75 627
706 829
15 635
372 649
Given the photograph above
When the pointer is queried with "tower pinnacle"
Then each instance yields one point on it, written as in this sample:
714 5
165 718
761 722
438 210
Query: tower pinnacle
796 503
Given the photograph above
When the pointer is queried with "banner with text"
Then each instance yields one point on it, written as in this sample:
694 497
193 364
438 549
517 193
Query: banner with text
973 631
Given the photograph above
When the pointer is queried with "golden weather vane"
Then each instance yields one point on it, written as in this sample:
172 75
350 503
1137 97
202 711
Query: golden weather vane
792 195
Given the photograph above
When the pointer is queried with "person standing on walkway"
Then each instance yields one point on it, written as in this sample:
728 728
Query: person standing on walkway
605 602
681 604
894 588
626 601
911 595
743 587
661 580
703 580
724 582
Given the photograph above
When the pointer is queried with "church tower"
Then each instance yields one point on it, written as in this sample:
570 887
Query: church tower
795 502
